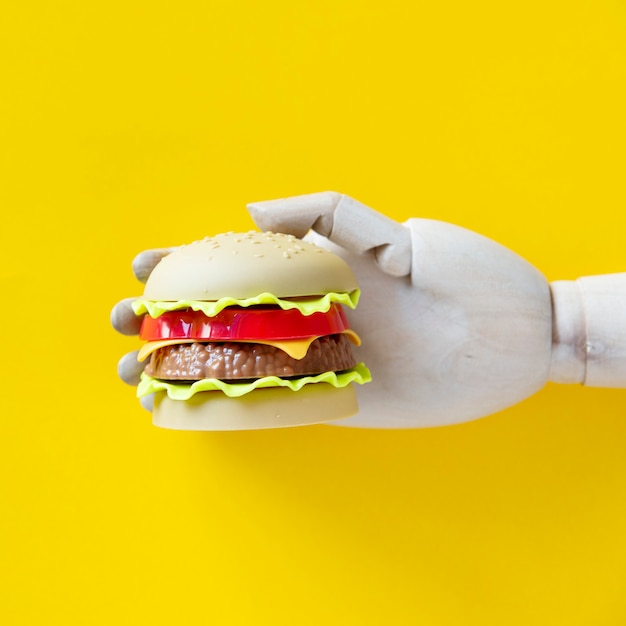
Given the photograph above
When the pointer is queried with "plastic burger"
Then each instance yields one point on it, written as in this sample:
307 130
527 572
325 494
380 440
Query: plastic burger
248 330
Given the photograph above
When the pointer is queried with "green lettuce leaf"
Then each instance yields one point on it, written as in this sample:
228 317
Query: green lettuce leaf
183 391
306 306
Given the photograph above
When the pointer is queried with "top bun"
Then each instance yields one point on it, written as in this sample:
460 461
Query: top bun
244 265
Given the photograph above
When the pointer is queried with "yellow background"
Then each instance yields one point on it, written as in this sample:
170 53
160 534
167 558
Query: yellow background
131 125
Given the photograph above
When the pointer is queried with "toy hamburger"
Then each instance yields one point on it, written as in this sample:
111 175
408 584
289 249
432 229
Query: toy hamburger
248 331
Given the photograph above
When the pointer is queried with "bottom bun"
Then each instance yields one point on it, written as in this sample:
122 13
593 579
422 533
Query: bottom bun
272 407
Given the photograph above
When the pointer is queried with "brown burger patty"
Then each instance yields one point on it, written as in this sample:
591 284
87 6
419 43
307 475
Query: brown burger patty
234 360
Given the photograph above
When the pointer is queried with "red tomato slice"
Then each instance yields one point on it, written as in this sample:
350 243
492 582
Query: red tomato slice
242 323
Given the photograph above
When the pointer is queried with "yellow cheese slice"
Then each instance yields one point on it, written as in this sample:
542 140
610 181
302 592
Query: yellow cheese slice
295 348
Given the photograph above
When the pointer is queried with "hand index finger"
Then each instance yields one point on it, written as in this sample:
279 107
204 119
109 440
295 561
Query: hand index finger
146 261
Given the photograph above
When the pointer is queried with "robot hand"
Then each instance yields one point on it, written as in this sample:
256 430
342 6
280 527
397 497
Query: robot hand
454 325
